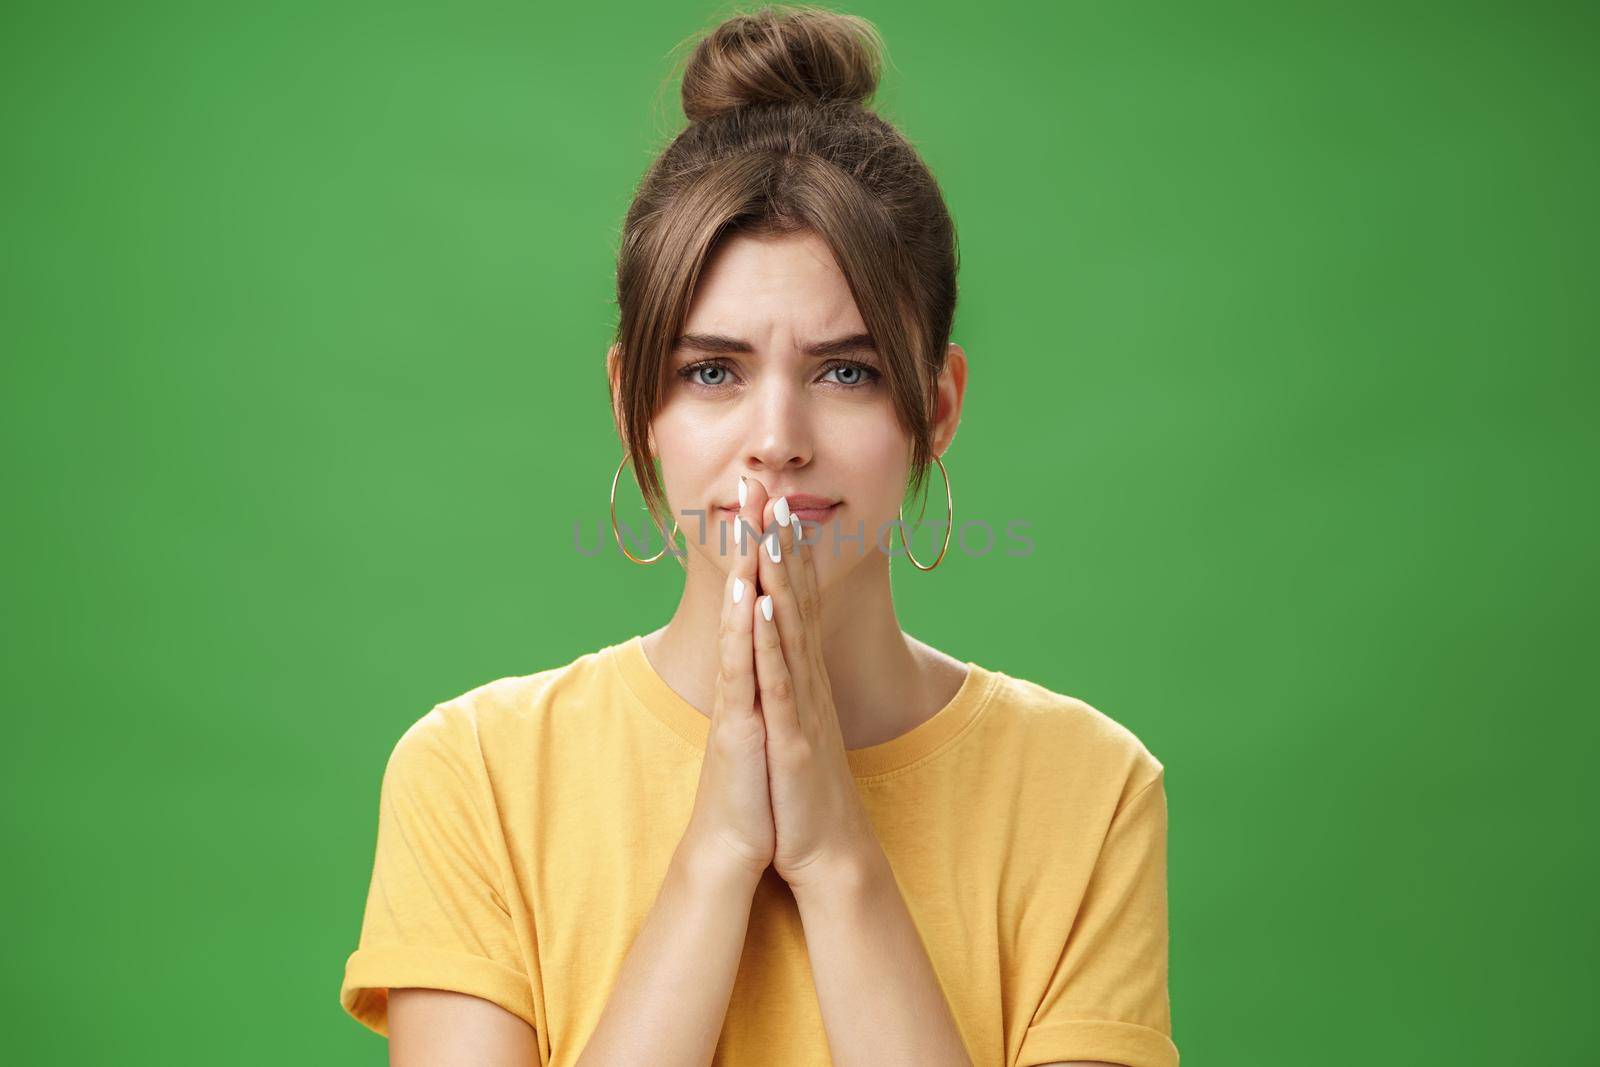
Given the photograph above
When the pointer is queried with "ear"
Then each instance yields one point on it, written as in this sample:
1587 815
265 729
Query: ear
614 378
614 381
952 388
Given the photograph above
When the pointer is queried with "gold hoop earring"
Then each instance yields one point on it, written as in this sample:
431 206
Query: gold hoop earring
950 505
618 536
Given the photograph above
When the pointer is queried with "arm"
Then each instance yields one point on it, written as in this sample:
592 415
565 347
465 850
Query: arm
880 998
671 996
441 1028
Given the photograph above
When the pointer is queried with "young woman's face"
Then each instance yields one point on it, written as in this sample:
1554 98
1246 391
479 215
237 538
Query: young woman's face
746 394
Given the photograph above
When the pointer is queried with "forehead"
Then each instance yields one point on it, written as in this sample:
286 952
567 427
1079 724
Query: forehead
754 287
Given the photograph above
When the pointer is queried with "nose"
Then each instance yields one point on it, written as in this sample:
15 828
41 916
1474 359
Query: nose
780 434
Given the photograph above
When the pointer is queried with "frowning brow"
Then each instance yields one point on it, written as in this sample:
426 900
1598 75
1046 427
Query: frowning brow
717 344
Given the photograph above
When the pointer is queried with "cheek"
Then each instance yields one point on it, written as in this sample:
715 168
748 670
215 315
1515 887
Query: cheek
675 457
693 454
880 450
877 458
872 468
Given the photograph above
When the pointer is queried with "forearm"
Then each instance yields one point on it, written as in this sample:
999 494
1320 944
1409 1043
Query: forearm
881 1001
671 995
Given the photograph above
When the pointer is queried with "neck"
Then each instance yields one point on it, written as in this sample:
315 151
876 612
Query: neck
879 686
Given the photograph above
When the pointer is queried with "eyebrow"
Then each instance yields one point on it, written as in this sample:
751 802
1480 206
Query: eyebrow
717 344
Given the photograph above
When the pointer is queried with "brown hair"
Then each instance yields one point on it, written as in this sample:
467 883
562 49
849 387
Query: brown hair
780 141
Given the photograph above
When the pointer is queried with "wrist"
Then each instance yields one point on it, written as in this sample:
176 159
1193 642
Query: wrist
712 868
852 875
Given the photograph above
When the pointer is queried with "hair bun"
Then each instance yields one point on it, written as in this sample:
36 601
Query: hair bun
782 54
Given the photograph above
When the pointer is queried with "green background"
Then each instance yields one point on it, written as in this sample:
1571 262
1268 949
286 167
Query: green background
1282 335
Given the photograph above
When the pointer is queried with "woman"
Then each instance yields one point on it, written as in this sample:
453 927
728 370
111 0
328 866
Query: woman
778 829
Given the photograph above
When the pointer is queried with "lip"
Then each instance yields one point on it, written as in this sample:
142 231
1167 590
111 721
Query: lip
810 508
807 501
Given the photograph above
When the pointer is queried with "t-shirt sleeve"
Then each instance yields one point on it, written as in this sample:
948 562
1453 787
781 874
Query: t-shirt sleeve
436 913
1107 999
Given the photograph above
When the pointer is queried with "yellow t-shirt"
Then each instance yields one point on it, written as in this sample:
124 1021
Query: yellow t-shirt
524 829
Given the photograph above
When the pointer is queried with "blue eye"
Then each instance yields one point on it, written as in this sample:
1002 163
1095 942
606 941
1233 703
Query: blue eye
860 375
688 372
864 375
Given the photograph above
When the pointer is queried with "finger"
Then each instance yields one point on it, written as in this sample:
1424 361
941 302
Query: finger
803 578
737 650
747 526
776 686
754 497
777 582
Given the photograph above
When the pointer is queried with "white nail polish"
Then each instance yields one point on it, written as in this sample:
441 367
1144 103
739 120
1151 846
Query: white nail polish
738 531
742 491
766 608
772 548
780 511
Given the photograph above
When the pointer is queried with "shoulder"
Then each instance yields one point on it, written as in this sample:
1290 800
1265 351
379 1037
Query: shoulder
497 715
1056 729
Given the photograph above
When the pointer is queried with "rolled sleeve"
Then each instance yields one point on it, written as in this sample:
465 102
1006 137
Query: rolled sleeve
369 974
436 912
1107 999
1097 1039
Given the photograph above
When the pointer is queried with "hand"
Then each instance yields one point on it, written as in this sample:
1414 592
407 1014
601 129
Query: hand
732 816
822 826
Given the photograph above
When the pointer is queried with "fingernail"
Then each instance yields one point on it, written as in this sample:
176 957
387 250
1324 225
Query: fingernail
772 548
742 491
766 607
738 531
738 590
780 511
